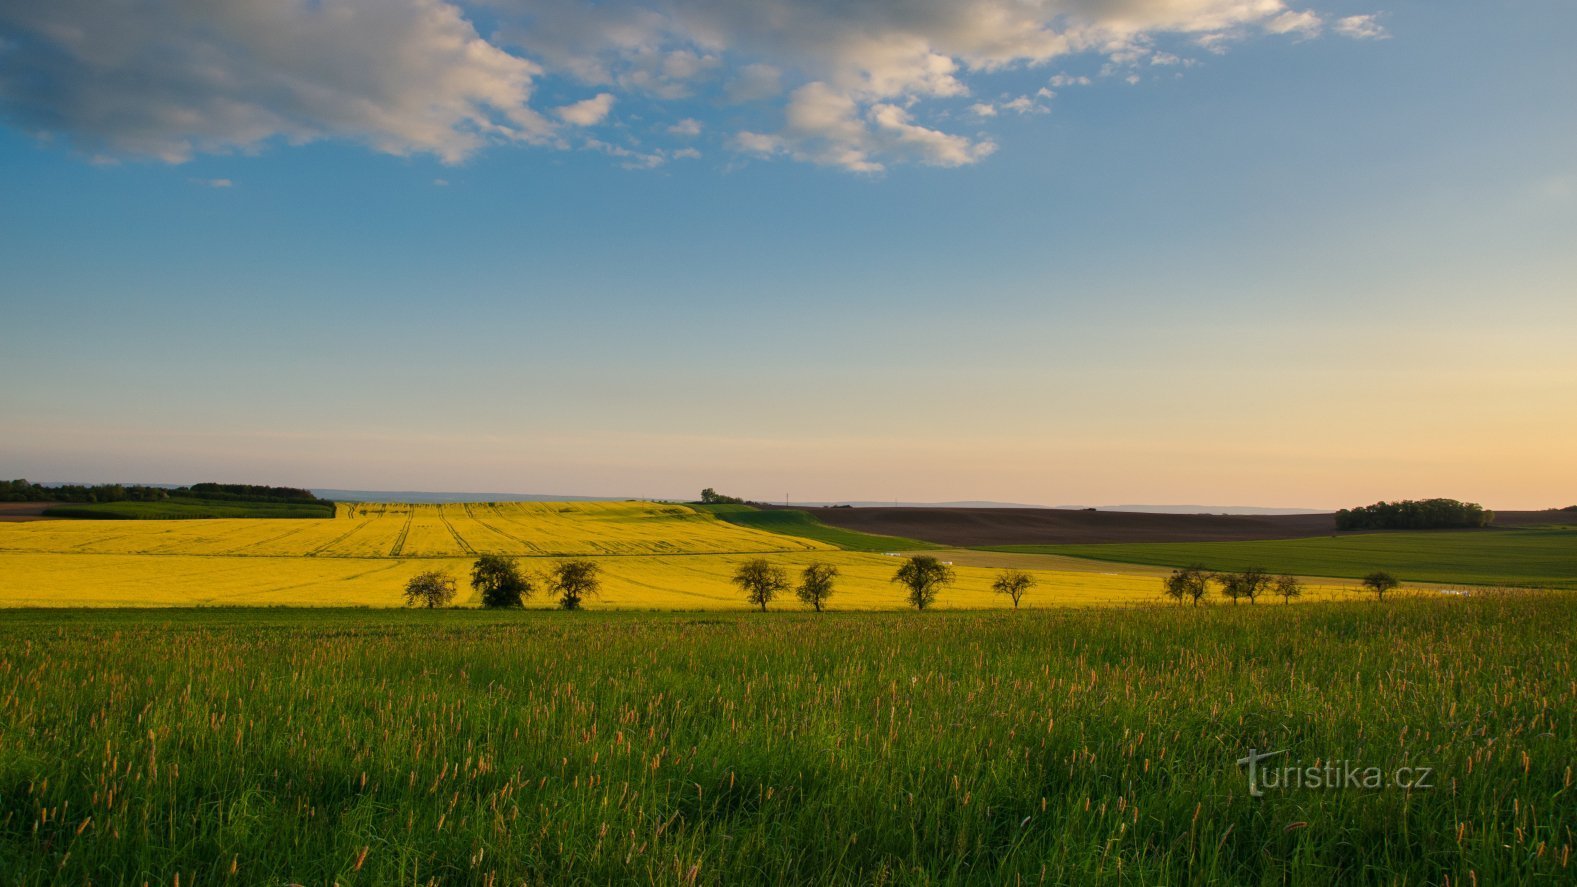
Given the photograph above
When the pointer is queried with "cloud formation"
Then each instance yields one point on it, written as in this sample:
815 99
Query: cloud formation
854 84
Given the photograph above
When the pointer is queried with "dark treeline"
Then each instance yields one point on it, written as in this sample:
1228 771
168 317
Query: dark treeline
23 491
1415 514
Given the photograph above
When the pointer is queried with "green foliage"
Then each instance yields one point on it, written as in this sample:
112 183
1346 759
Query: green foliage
815 586
572 581
1287 588
23 491
1544 557
924 576
1013 583
803 524
761 580
1188 583
1415 514
1380 582
710 496
1248 583
1085 747
499 582
430 589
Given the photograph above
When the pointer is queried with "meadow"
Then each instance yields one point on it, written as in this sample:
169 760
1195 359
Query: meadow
1529 557
1093 746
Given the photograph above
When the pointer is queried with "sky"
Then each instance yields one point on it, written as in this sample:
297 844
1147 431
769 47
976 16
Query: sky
1235 252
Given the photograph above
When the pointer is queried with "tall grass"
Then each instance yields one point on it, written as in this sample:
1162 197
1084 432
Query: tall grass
1074 746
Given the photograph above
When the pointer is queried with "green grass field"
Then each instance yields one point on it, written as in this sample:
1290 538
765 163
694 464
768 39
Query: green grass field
804 525
179 509
1088 747
1544 557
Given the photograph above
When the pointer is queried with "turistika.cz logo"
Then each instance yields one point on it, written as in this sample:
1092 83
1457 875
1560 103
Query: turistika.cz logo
1329 775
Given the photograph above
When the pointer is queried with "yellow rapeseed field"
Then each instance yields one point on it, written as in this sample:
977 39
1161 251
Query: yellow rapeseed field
653 556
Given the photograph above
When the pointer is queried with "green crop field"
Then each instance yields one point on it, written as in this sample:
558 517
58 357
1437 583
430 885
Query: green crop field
179 509
1075 746
792 522
1543 557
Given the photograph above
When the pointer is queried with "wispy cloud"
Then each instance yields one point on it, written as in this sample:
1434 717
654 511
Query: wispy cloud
854 84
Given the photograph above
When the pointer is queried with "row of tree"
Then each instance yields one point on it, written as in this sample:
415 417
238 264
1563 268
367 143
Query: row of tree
1192 583
21 490
500 583
1415 514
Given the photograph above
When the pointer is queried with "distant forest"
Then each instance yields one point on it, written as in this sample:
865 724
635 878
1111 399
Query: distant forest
23 491
1415 514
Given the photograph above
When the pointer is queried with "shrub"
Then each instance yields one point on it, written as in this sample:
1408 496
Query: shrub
431 589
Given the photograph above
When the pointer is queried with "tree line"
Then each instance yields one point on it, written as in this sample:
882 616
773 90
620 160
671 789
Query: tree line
1415 514
21 490
1193 583
500 583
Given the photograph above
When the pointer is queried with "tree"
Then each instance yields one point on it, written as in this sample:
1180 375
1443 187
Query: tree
1013 583
761 581
574 581
815 584
1415 514
499 581
1380 582
710 496
1189 583
431 589
1250 583
924 576
1288 587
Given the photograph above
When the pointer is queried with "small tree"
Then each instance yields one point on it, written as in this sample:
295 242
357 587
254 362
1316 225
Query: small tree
1013 583
924 576
1288 587
1380 582
499 581
431 589
761 581
1250 583
574 581
1187 584
815 584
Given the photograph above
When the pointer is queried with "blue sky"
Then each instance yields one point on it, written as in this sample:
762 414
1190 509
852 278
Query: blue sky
1311 255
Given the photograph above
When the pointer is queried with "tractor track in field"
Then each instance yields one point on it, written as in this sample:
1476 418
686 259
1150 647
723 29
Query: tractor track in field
458 539
530 546
361 524
399 542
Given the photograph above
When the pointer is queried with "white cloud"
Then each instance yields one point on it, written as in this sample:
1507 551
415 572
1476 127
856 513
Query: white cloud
686 128
1024 105
853 80
1303 23
1361 27
586 112
171 79
215 183
983 109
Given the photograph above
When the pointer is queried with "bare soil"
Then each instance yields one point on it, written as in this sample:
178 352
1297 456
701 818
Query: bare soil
11 512
1045 526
